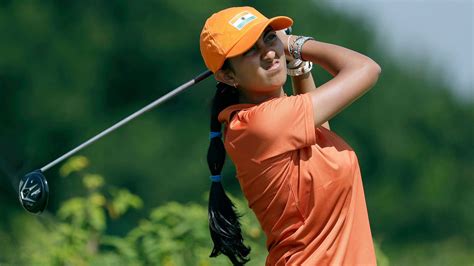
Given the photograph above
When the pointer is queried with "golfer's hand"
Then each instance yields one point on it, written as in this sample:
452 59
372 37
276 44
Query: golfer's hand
284 39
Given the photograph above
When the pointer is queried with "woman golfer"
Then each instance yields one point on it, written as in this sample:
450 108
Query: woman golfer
300 178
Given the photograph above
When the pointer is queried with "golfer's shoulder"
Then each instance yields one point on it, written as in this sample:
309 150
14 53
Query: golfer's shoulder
276 116
226 115
282 109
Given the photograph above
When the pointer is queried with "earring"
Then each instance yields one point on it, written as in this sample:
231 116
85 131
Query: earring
235 85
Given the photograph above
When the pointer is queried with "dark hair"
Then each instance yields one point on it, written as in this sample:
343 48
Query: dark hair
224 222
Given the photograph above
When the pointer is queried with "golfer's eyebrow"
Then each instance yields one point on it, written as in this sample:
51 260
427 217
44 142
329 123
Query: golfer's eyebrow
267 30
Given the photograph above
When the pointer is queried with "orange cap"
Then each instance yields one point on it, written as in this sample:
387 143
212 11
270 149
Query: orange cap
233 31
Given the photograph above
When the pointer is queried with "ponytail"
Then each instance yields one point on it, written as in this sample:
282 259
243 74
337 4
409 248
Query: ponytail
224 222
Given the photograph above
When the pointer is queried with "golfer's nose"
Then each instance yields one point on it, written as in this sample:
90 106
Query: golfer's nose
268 53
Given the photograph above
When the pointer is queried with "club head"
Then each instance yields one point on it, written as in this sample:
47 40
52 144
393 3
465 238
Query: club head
34 192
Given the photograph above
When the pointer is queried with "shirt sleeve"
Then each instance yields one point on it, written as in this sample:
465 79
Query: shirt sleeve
275 127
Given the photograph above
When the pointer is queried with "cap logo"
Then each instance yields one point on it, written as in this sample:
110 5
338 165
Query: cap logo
240 20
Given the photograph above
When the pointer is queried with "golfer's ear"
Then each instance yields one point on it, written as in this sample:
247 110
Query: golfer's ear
225 76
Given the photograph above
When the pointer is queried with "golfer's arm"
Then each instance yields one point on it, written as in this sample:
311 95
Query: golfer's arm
354 74
303 84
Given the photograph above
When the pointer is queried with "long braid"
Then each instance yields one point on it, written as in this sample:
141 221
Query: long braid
224 222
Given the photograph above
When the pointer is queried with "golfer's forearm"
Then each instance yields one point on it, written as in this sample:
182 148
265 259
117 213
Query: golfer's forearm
334 58
354 74
303 84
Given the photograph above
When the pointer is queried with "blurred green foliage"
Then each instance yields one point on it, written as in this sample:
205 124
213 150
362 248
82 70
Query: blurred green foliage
71 69
173 234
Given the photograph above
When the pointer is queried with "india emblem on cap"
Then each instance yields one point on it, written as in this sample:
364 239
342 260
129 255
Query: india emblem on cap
240 20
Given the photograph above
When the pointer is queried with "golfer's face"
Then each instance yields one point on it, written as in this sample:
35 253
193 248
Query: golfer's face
262 68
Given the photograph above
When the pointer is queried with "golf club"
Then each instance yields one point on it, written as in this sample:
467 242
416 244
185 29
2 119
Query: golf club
33 188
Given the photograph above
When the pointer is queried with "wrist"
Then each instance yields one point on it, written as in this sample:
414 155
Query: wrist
289 40
303 68
295 46
296 66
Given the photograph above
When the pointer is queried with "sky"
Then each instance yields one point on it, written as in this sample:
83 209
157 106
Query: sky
439 29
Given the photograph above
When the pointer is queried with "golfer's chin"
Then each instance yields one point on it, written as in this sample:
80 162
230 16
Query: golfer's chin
277 81
269 83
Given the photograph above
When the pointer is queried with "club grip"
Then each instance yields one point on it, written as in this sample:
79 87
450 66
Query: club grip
202 76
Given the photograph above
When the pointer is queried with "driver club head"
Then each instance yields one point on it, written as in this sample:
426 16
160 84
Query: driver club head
34 192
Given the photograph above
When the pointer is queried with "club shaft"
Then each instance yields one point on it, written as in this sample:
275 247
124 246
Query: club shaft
122 122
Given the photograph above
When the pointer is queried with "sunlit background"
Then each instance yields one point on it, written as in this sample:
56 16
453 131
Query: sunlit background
138 197
438 31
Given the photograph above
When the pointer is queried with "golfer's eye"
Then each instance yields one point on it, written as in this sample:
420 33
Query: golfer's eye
271 36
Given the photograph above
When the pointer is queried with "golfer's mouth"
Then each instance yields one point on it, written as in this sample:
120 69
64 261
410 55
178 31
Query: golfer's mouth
274 67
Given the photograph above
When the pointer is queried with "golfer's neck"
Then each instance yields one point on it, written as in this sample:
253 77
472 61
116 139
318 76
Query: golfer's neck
257 98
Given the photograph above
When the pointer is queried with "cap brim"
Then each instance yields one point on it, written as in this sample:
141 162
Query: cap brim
251 37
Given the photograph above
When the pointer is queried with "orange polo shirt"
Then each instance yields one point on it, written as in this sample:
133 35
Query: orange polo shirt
303 183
